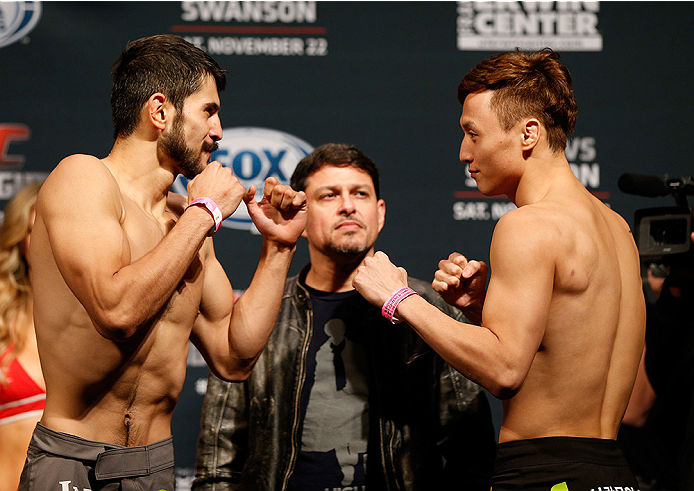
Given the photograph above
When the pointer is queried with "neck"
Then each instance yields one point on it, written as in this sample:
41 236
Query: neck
333 274
141 175
539 177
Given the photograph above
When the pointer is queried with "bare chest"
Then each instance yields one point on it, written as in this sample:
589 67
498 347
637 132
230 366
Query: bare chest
142 234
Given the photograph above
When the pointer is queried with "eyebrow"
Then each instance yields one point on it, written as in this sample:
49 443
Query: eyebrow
469 125
212 105
351 186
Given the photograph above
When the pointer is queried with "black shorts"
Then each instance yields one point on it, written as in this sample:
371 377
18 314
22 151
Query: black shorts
562 464
60 461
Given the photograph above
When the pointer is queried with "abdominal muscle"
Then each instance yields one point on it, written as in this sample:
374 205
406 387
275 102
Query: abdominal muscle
118 393
543 409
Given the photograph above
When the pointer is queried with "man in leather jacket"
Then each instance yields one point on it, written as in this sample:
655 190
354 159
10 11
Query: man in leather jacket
341 398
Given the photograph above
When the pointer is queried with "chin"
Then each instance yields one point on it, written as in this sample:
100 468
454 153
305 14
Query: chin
487 190
350 249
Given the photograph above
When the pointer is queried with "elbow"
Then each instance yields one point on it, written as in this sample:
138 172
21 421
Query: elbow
239 376
237 372
506 384
635 417
503 393
116 325
234 376
634 420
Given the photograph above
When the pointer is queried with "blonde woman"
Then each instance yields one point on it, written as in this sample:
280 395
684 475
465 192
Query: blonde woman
22 389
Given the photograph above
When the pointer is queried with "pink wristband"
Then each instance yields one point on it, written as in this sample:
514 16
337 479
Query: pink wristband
391 305
212 207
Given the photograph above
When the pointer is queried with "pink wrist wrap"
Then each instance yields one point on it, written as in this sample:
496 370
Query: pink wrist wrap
212 207
391 305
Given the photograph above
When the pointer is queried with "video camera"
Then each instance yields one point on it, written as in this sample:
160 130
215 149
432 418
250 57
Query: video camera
662 234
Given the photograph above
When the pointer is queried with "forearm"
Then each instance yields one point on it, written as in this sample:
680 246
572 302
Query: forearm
255 313
642 398
475 351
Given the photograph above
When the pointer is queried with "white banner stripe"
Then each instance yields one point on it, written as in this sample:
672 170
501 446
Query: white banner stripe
21 402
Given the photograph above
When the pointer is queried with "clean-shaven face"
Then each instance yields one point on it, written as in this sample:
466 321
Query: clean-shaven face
487 149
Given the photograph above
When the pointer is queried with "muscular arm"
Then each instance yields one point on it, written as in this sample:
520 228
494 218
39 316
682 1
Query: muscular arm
92 250
232 336
498 354
642 398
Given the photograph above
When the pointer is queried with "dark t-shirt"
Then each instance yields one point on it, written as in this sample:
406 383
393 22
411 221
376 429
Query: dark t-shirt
334 427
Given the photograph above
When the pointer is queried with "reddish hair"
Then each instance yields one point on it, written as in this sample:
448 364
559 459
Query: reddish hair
527 84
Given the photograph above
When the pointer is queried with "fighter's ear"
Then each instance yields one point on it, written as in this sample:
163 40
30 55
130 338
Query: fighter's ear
532 129
157 110
381 214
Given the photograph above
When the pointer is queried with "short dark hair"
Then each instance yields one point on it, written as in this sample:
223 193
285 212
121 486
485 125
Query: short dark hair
164 63
527 84
337 155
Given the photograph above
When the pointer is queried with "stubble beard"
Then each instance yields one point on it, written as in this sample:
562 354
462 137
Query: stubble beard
349 246
188 159
348 251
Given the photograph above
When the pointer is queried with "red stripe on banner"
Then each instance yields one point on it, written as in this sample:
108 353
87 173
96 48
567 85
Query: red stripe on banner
478 195
601 194
249 30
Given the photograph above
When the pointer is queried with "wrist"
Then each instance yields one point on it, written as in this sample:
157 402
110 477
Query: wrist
391 304
211 207
278 247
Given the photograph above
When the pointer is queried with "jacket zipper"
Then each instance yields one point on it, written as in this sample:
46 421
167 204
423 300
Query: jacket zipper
297 399
386 442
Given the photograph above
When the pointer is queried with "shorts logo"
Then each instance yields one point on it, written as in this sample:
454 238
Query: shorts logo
17 19
65 486
254 154
560 487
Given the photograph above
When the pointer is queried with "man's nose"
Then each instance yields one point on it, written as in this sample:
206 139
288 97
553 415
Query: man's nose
465 155
216 128
347 205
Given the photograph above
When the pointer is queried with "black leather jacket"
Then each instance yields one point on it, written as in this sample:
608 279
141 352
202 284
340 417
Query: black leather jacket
431 428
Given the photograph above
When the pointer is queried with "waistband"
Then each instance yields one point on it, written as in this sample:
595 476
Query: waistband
112 461
559 450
